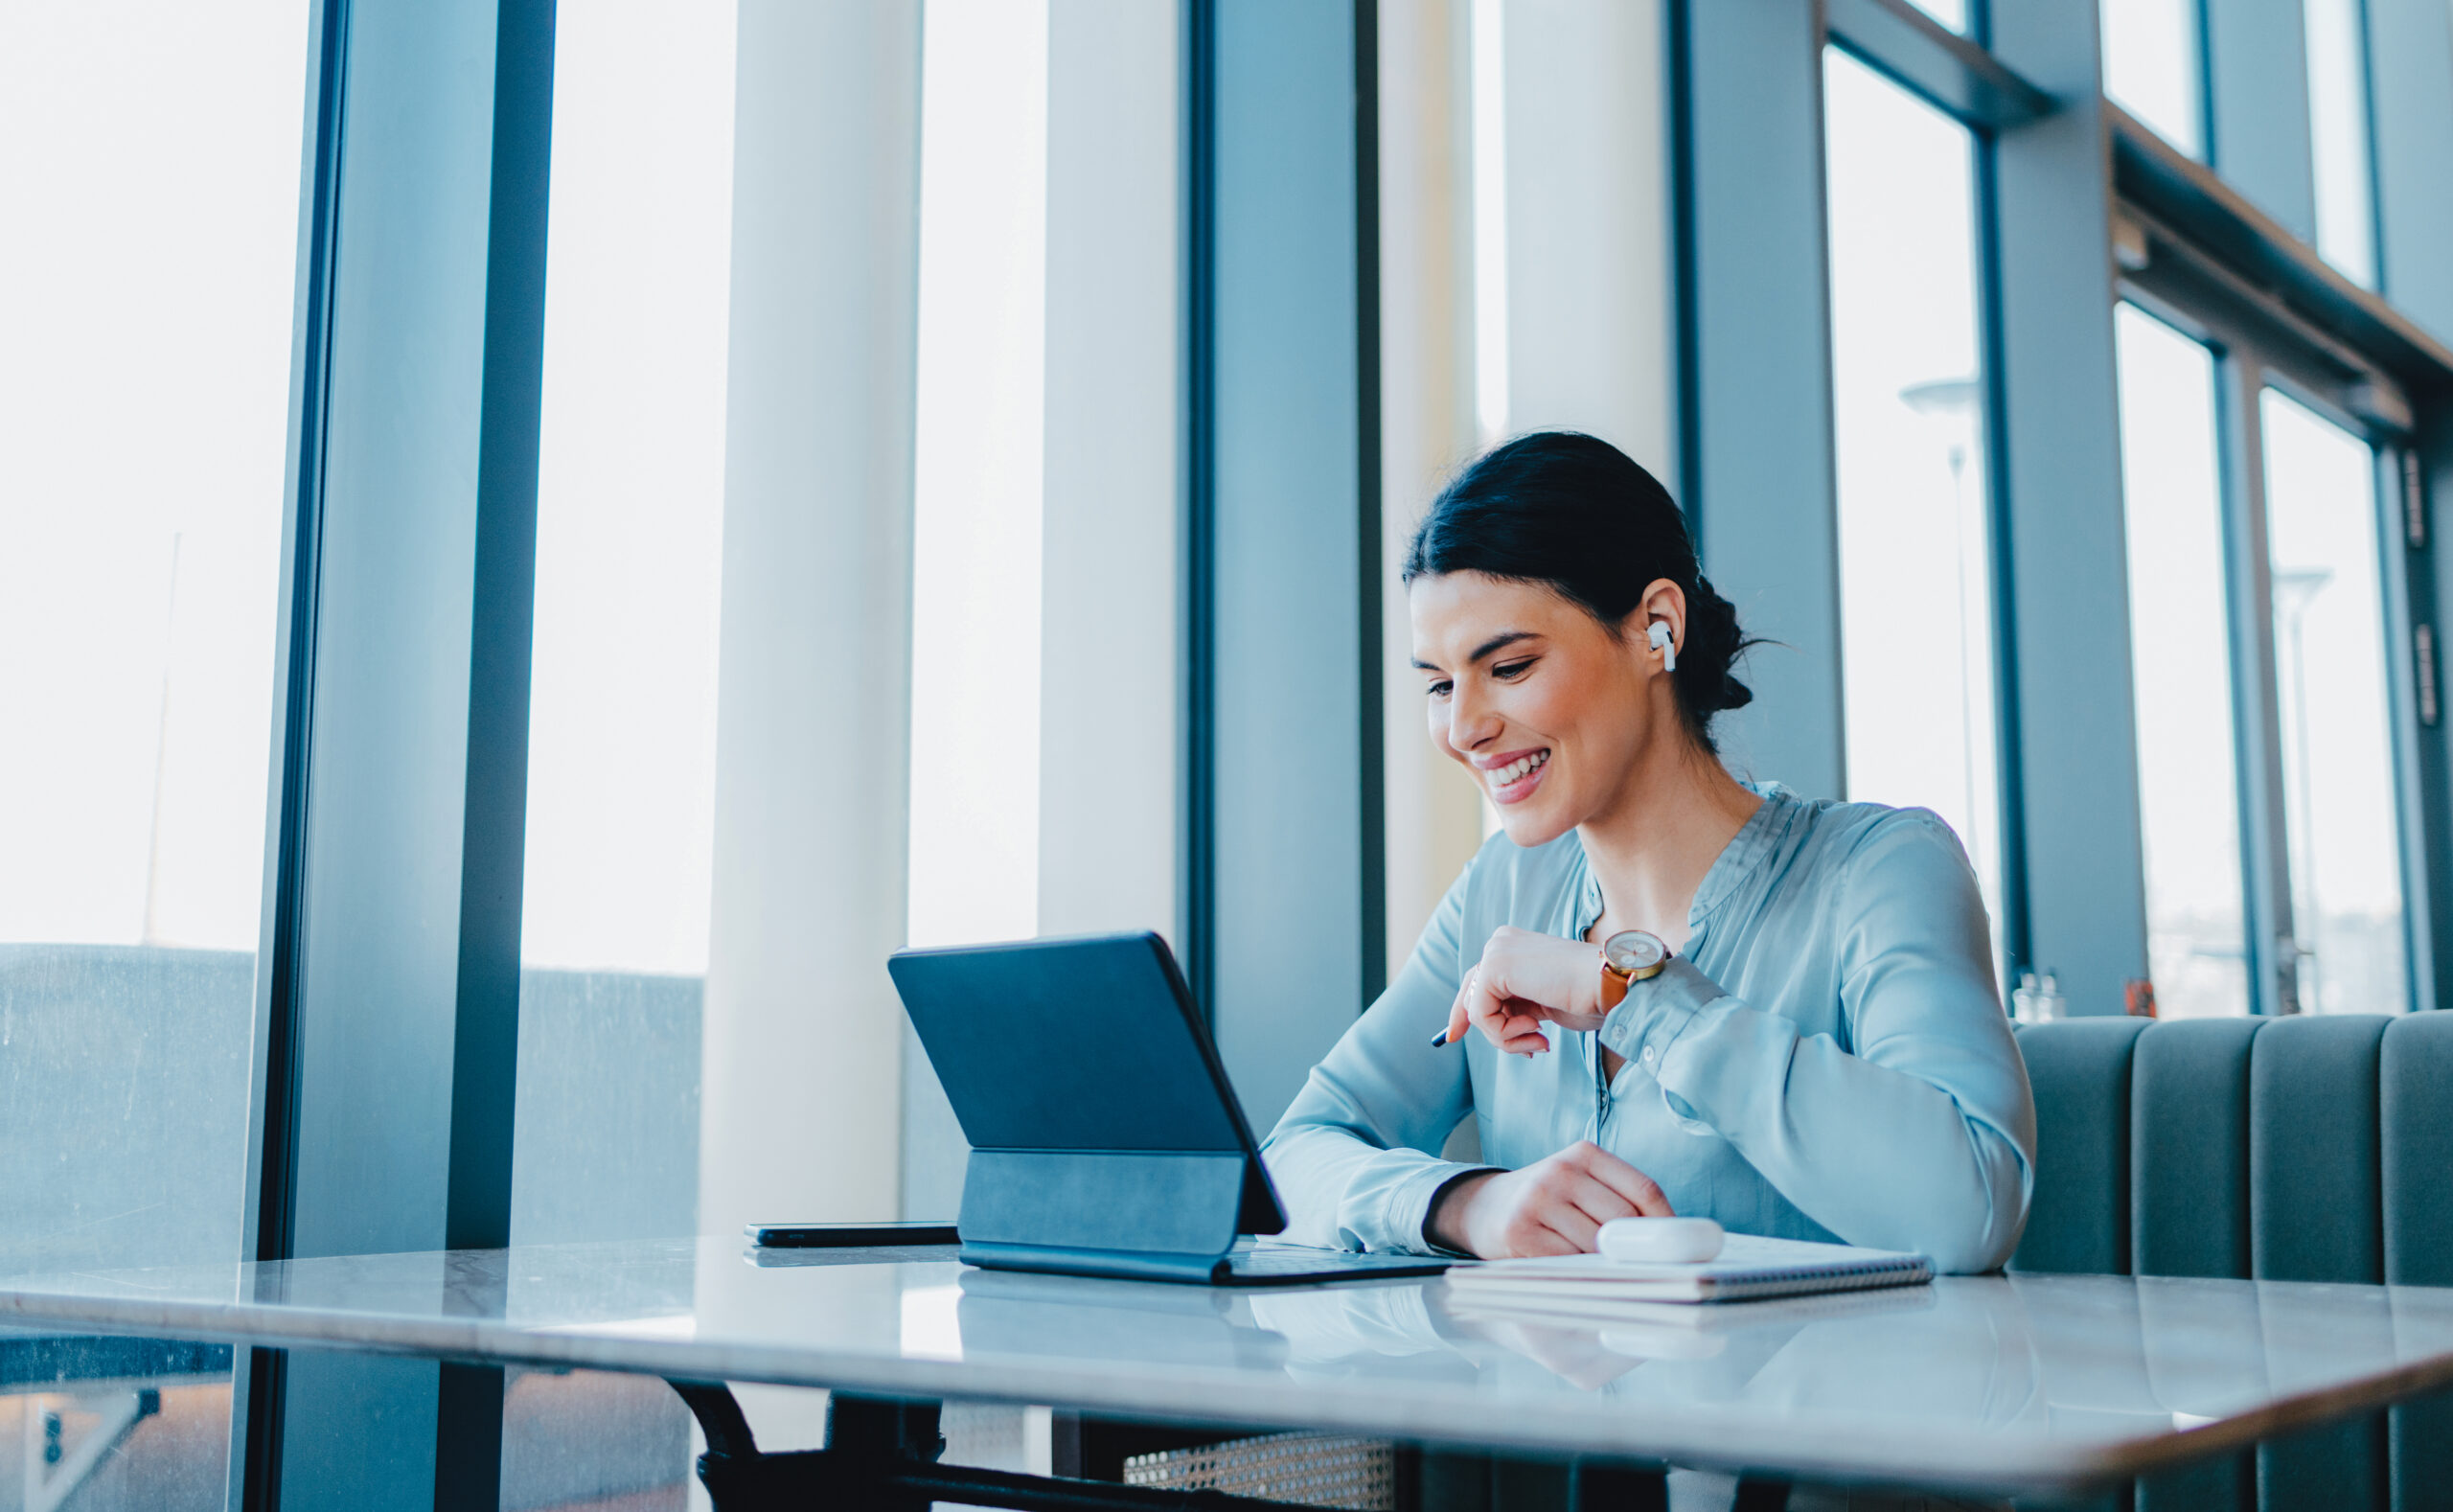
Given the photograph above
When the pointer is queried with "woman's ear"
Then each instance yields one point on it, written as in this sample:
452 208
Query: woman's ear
1664 607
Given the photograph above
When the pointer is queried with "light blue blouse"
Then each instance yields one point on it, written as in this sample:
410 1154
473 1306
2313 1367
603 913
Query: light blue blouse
1827 1058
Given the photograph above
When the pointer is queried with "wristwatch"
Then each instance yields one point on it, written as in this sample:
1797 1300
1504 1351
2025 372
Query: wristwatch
1628 957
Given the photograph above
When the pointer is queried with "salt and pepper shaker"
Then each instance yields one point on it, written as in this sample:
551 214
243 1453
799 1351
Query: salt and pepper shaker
2038 999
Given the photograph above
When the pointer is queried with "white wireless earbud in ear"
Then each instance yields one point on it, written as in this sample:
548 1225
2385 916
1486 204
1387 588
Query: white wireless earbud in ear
1660 637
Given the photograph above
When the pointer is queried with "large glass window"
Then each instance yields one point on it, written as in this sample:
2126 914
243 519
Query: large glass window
149 160
2152 68
2330 673
2180 647
2338 135
2330 804
1917 599
1952 13
628 542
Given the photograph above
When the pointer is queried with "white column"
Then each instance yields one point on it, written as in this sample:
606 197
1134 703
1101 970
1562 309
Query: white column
1112 646
1589 223
980 443
1426 426
801 1082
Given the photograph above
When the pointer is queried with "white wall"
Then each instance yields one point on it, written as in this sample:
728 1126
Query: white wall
1592 344
1110 638
801 1092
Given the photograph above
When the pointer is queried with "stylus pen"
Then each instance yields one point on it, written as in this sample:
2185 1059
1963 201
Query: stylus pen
1439 1040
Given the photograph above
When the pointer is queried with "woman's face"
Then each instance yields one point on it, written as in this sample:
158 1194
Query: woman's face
1547 709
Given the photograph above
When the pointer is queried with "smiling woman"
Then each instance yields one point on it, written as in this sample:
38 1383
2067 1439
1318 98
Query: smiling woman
1823 1057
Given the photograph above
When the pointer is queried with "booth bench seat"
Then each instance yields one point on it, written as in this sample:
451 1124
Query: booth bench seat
2285 1149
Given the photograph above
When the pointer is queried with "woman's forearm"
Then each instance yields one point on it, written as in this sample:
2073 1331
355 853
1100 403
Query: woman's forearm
1910 1145
1344 1192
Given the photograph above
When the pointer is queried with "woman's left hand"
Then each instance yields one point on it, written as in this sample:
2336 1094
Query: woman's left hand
1524 979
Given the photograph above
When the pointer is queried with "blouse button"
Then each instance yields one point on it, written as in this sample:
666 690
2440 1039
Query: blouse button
1651 1054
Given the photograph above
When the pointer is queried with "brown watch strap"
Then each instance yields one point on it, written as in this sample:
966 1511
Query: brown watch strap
1613 985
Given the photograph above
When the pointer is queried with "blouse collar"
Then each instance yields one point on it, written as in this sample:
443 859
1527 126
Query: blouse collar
1747 849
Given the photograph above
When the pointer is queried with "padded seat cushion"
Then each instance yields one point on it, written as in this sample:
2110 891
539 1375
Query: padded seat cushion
2414 1116
2079 1217
2188 1152
2315 1181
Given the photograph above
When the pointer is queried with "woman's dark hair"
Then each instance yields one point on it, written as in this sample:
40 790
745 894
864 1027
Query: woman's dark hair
1574 513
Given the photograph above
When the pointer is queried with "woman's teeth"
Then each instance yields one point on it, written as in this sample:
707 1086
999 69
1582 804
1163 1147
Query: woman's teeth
1516 770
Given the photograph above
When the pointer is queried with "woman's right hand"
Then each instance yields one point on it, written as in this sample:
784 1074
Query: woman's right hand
1523 978
1555 1206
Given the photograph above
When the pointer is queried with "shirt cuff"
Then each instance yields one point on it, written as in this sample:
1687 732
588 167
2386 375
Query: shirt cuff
1656 1012
1410 1204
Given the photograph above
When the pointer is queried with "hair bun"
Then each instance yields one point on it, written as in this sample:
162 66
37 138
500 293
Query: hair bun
1706 663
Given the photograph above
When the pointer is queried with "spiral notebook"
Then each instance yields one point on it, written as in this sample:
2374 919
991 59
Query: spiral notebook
1749 1268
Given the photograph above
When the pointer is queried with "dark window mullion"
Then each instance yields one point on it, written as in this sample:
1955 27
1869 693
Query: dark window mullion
2265 842
2400 584
2016 943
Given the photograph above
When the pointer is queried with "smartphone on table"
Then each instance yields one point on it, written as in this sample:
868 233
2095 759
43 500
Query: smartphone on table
850 1236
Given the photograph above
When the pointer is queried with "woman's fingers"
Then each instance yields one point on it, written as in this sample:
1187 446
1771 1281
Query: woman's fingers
1512 1023
1601 1202
1575 1212
1560 977
1546 1232
1525 1021
1517 1032
1569 1232
1523 980
1518 1036
1555 1205
1638 1191
1483 1009
1574 1203
1473 1010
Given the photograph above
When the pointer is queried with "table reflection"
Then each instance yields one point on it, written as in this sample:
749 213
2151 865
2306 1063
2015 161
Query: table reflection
2088 1357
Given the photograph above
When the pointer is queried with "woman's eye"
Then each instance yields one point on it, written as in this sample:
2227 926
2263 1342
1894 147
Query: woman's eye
1439 690
1513 669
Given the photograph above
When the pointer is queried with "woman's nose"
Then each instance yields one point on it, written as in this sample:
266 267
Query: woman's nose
1470 722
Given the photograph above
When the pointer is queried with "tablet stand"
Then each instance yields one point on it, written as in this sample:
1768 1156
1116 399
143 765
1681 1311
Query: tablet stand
1147 1215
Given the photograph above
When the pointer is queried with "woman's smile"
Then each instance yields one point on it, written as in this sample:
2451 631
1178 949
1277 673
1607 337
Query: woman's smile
1512 775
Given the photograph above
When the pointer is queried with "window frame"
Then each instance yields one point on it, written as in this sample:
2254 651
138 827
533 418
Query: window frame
2066 176
2192 252
2253 353
1988 99
388 1005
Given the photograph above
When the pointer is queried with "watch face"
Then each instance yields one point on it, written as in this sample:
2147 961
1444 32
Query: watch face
1633 950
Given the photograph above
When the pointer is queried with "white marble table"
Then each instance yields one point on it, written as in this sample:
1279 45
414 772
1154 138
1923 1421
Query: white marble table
1986 1385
